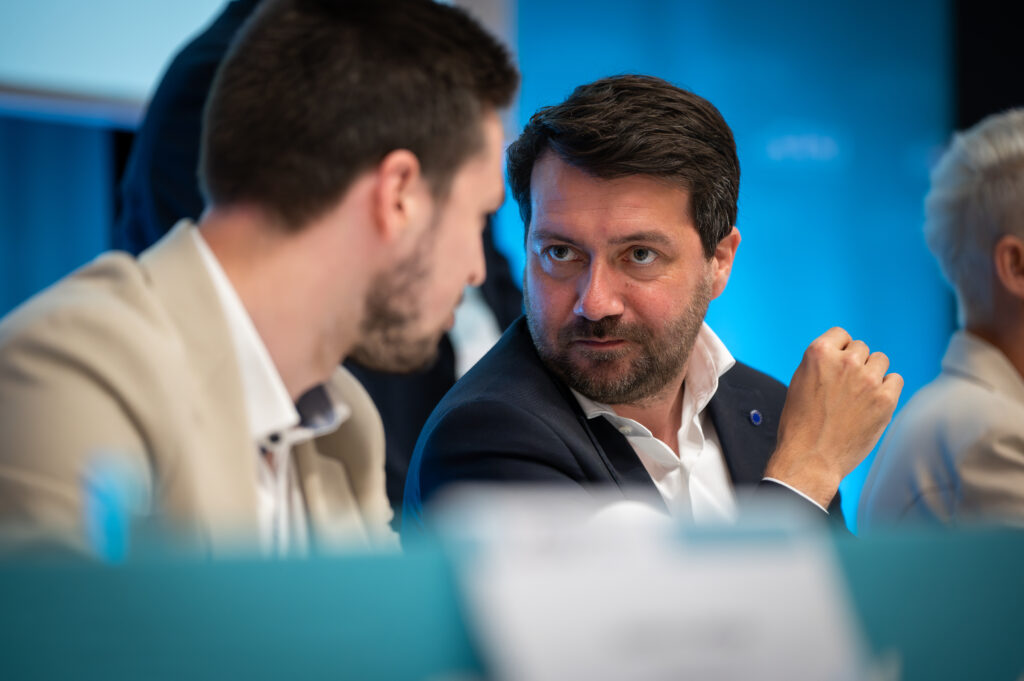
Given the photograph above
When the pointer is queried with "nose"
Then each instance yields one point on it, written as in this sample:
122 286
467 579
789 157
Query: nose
598 296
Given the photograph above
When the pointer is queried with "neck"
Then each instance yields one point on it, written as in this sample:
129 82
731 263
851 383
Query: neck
661 414
287 291
1006 332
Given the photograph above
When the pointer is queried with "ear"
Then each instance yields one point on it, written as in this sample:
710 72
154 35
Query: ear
1008 258
721 261
400 193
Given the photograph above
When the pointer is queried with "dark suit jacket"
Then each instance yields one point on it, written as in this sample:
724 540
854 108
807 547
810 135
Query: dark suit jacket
510 420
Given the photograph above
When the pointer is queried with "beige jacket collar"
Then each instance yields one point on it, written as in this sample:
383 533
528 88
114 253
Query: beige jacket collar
982 362
178 277
341 475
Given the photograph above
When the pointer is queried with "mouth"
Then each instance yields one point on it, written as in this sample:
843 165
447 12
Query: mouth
600 343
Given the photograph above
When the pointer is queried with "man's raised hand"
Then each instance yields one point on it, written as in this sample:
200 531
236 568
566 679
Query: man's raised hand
840 400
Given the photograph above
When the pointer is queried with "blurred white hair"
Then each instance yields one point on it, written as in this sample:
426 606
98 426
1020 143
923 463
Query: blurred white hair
976 196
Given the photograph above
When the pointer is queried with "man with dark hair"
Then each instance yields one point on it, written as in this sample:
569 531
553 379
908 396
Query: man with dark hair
160 187
351 154
628 190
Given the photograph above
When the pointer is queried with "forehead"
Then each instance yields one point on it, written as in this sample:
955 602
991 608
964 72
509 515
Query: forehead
480 176
565 198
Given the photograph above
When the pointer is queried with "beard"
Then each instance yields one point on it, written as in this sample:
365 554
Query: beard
389 336
641 369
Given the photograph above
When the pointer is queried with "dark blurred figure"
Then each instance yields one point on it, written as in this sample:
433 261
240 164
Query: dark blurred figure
160 187
956 452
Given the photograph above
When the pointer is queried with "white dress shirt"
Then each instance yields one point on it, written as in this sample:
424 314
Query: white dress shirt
475 330
275 422
696 483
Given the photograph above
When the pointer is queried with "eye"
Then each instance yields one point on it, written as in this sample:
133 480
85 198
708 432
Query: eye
642 256
559 253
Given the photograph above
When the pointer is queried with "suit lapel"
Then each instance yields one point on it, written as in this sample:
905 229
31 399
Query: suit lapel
615 452
332 510
342 473
625 466
746 446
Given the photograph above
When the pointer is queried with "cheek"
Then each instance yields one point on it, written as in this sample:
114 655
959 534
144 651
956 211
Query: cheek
452 246
654 303
549 298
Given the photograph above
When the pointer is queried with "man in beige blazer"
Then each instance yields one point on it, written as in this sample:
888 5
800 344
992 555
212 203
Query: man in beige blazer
955 453
351 153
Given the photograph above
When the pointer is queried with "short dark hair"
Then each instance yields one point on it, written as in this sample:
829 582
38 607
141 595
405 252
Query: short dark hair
638 125
314 92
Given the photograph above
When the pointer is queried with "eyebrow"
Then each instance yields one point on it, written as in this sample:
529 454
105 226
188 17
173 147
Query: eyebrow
633 237
647 237
549 235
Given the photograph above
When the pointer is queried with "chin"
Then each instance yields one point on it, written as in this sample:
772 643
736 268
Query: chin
399 357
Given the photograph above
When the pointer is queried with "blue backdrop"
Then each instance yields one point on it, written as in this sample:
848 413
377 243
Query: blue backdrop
55 202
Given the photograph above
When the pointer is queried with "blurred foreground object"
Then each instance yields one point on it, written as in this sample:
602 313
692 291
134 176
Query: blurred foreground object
115 498
364 617
931 606
578 587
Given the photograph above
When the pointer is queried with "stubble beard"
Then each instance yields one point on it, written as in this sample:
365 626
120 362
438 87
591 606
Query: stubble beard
388 336
628 375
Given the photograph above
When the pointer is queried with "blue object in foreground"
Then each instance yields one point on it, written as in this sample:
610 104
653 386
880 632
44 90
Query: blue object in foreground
939 605
113 495
362 617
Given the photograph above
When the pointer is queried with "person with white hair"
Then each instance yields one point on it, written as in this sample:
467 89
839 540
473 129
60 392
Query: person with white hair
955 453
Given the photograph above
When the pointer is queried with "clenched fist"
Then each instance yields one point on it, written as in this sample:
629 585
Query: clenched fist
839 402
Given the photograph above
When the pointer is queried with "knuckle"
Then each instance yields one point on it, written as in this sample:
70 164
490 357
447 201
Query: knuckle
888 398
850 360
814 350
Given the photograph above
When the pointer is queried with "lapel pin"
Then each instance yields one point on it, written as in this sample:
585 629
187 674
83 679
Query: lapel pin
756 418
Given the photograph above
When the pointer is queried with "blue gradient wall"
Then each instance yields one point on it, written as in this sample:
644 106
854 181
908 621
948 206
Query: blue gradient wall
56 202
839 109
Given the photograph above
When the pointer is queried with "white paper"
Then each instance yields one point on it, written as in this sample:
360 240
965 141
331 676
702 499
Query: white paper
561 589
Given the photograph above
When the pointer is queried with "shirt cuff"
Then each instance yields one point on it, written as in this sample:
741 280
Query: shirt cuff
796 491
